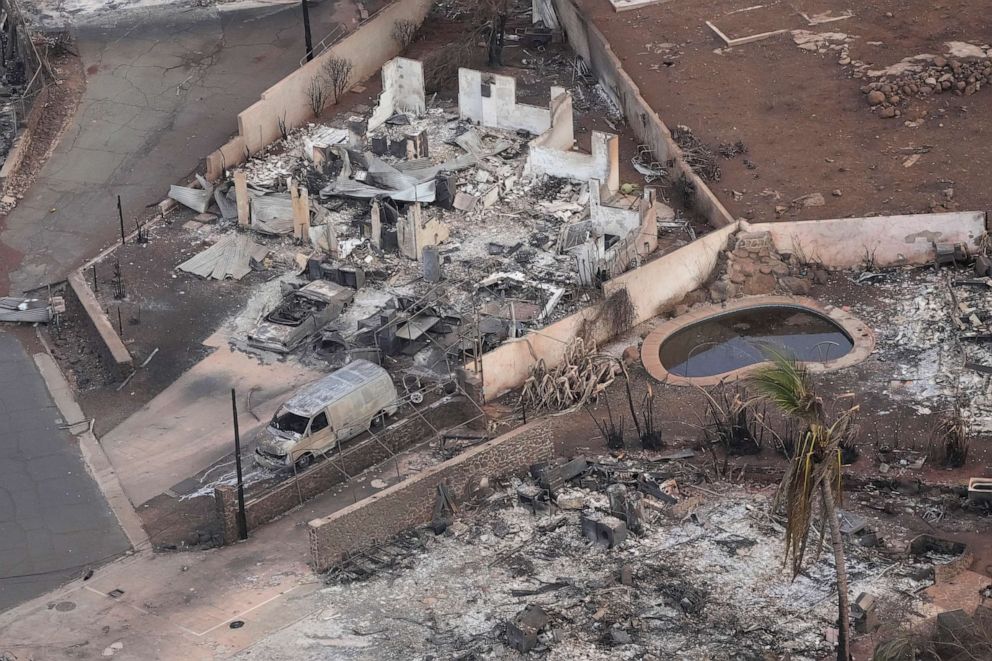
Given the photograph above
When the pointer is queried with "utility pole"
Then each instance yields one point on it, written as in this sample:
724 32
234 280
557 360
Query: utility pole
306 29
120 214
242 519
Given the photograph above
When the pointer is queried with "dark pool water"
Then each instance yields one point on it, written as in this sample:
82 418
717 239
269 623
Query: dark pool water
742 337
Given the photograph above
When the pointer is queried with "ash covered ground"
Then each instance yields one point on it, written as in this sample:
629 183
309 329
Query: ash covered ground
705 581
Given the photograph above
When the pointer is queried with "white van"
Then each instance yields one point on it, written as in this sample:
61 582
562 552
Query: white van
323 414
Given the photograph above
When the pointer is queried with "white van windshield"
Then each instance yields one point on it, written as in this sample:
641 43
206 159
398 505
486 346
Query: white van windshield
288 421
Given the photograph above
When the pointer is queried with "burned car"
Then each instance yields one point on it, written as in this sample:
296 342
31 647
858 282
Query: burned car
300 315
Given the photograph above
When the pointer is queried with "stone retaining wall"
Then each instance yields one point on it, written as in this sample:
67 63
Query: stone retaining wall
410 503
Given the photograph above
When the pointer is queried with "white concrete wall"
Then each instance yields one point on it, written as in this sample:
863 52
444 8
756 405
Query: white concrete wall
402 91
561 133
893 240
602 164
619 221
500 108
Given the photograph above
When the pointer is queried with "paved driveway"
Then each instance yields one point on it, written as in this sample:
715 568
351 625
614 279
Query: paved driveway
53 519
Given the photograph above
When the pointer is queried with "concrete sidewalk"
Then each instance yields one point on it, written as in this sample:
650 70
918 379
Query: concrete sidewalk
180 605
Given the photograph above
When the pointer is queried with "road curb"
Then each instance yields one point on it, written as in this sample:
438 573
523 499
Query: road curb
95 459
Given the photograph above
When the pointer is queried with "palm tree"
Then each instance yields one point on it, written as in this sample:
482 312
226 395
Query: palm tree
814 470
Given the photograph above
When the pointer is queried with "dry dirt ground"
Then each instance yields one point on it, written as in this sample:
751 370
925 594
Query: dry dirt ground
803 116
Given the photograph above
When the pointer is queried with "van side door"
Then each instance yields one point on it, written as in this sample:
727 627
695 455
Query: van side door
349 414
320 435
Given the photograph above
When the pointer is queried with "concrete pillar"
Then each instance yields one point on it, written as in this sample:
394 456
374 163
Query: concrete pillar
375 213
226 504
241 191
301 213
647 238
332 239
407 227
294 200
416 145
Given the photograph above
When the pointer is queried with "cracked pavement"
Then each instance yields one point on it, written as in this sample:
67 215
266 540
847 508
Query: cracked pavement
53 519
164 87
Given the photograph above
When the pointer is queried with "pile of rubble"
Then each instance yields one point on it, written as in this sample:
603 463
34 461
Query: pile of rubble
963 70
932 76
442 214
935 340
616 562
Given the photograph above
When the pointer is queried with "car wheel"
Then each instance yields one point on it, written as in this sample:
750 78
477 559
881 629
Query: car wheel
304 461
378 420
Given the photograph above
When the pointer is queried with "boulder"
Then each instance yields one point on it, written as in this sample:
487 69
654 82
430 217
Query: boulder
759 283
794 285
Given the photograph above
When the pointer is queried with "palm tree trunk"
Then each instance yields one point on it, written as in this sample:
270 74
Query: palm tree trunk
837 541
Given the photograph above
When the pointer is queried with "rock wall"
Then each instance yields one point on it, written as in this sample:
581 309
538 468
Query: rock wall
755 268
381 517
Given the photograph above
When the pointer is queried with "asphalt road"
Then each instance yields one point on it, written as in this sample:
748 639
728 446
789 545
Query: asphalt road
164 86
53 519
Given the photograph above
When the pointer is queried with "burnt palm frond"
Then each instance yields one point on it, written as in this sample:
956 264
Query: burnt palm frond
786 383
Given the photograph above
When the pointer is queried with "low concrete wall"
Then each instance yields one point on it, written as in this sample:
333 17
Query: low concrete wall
367 48
507 366
410 503
81 301
651 287
835 243
406 433
586 40
891 240
668 279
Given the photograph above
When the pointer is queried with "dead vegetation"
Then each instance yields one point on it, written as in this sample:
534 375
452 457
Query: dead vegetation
582 376
404 32
651 438
615 316
609 427
947 442
316 96
698 155
337 72
731 421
